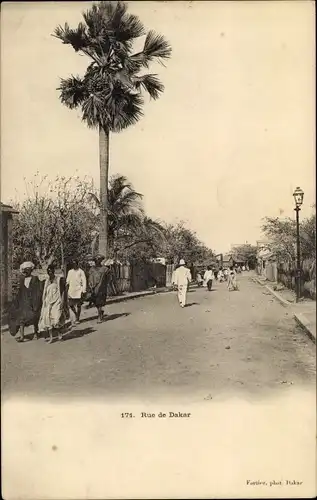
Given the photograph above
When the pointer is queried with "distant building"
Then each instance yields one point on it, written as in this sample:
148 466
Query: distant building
6 253
266 262
240 259
227 260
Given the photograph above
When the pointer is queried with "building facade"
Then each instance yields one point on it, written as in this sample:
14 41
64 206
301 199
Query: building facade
266 261
6 254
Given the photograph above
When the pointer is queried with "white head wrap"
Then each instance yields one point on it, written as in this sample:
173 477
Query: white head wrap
182 262
27 265
108 262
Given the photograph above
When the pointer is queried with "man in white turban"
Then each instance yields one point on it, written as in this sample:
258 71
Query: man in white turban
27 265
181 278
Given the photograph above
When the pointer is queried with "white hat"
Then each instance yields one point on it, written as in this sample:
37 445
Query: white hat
27 265
182 262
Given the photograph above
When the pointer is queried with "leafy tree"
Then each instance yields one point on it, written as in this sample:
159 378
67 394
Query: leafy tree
246 253
55 221
142 242
308 237
109 94
282 235
183 243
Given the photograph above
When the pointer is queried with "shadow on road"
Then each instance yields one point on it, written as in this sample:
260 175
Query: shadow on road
192 304
74 334
108 317
111 317
28 336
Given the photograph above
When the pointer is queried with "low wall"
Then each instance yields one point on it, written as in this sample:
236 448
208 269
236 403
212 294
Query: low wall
286 273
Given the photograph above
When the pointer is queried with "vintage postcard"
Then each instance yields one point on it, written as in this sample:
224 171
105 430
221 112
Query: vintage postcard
158 250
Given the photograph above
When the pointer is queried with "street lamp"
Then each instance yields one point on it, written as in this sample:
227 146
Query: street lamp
298 197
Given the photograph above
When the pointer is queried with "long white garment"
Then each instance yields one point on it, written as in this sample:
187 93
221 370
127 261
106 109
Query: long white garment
209 275
182 294
51 312
76 280
182 278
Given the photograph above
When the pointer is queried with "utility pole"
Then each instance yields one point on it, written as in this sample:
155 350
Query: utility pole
298 197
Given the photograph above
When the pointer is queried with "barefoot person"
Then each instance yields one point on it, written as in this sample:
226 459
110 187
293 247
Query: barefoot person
54 308
181 279
76 288
97 285
26 307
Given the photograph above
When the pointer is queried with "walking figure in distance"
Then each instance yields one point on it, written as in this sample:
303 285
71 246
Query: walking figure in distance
89 263
181 279
221 276
209 277
232 280
199 279
76 289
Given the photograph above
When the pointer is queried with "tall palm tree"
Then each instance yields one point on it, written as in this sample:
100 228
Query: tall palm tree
109 94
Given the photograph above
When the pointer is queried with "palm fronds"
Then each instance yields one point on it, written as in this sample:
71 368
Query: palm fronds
154 227
94 113
150 83
73 91
119 186
77 38
155 46
94 198
110 91
125 108
129 28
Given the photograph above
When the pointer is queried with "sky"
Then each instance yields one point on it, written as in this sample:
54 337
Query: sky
225 145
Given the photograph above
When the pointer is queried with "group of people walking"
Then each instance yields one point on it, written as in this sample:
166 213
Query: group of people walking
182 278
221 275
45 304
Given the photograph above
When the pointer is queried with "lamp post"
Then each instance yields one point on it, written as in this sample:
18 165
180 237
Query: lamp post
298 197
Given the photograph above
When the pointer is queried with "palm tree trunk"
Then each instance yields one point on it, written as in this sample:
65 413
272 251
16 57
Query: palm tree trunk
104 173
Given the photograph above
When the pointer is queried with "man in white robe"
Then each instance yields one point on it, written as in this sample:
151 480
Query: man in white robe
181 279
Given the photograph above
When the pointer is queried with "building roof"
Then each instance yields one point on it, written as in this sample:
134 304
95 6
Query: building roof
8 208
227 257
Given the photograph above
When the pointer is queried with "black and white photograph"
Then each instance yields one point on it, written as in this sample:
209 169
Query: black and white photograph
158 250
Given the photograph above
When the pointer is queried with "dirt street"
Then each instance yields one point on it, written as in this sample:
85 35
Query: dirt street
223 343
